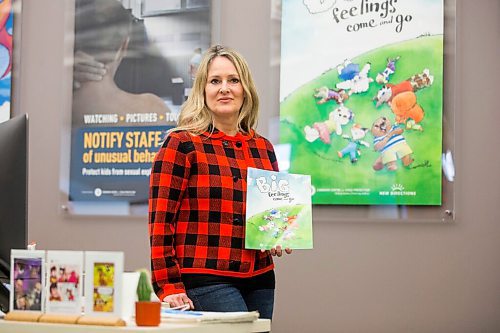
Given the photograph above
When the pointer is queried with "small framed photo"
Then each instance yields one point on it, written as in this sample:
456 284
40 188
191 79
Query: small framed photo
27 278
64 282
103 283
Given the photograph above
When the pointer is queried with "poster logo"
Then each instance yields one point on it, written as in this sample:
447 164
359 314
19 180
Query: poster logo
398 190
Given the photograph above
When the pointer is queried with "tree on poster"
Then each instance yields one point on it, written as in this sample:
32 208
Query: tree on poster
361 98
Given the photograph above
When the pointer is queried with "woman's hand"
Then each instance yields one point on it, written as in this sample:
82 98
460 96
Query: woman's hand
277 251
180 299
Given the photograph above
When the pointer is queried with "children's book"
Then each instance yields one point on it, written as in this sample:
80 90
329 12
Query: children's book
278 210
64 282
27 279
103 283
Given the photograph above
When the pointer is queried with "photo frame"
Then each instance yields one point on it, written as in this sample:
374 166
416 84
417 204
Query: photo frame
27 278
103 283
64 282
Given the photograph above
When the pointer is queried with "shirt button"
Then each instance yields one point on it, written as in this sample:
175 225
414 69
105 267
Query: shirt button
225 143
236 220
238 144
235 178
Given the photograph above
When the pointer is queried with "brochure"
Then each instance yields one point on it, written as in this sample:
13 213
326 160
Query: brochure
64 281
278 210
209 317
27 278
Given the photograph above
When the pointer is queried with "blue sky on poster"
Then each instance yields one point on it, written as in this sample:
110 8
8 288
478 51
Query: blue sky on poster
313 43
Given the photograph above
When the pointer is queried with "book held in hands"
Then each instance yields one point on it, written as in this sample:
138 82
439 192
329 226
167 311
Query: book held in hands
278 210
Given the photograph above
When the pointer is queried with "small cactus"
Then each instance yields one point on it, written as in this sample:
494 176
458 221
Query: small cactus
144 288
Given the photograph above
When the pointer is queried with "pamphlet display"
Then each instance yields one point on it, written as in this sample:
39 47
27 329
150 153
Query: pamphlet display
278 210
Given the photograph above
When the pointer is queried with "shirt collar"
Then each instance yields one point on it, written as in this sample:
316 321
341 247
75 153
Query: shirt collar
217 134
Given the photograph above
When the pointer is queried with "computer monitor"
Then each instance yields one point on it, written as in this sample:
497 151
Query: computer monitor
13 195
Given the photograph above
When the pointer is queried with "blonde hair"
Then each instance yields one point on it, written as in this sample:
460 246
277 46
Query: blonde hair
195 116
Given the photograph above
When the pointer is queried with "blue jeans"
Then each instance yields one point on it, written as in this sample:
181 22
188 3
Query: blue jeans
229 298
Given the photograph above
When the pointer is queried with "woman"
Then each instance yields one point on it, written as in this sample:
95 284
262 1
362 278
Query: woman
197 195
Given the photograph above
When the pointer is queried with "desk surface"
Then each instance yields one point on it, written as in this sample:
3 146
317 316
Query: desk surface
261 325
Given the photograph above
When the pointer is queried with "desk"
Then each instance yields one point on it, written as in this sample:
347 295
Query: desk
261 325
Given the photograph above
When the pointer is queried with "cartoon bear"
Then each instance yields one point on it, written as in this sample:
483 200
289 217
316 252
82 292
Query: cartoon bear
391 144
407 110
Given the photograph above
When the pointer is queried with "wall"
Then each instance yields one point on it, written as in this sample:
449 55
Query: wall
361 277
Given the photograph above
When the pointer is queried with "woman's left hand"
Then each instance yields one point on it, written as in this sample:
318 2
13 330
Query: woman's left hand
278 251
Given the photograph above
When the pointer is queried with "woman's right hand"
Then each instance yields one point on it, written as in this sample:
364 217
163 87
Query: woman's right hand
180 299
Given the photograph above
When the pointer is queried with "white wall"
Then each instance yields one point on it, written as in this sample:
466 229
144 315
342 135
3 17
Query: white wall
361 277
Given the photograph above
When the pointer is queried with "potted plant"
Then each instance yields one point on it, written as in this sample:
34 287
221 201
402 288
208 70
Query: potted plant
147 312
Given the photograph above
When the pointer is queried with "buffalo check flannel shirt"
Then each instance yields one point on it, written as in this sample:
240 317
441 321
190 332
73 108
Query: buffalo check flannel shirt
197 207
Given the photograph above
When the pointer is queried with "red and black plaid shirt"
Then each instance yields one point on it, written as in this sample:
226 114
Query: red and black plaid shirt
197 207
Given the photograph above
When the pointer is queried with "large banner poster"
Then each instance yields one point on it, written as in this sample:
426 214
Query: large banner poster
133 68
361 98
6 26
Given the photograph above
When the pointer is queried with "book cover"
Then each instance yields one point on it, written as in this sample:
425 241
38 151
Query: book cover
27 278
64 281
278 210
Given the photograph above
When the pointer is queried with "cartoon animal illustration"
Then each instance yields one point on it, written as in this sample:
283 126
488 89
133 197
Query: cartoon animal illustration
359 83
390 68
347 70
339 117
391 144
275 213
414 83
355 142
407 110
326 94
267 227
